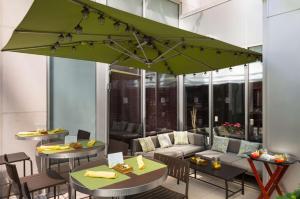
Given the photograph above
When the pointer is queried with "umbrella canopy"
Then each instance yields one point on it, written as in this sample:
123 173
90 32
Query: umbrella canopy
82 29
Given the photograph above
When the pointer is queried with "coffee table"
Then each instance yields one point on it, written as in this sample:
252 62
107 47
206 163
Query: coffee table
227 173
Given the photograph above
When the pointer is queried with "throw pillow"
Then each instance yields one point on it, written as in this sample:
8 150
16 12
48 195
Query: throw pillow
220 144
147 144
180 138
247 147
164 140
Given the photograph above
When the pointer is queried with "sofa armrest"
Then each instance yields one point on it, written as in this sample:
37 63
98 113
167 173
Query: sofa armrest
136 146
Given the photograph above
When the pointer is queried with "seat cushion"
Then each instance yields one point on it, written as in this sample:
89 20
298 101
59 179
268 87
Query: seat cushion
175 151
210 154
228 158
243 163
181 137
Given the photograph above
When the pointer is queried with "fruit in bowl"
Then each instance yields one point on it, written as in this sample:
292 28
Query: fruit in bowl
255 154
279 158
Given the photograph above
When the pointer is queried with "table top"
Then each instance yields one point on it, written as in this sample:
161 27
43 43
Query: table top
73 153
134 185
290 159
41 137
226 172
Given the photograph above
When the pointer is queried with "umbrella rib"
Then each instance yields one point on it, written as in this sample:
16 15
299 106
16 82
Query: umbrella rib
120 51
186 56
140 47
167 51
129 52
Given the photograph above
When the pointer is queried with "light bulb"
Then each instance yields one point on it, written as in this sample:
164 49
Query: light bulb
127 29
69 37
53 49
61 37
117 25
101 19
85 12
73 49
78 29
57 45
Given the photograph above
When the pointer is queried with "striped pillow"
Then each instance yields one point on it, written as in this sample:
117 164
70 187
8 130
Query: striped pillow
147 144
181 137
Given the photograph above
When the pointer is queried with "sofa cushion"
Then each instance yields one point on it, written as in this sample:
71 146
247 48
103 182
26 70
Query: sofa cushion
196 139
147 144
164 140
228 158
175 151
248 147
220 144
243 163
233 145
210 154
181 138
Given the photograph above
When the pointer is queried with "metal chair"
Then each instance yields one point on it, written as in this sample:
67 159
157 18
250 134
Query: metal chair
178 169
17 157
83 135
35 182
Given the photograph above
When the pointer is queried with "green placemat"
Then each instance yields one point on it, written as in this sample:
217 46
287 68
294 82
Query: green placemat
150 165
96 183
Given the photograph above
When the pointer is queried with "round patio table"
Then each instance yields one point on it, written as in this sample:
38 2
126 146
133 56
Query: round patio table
72 154
134 185
43 137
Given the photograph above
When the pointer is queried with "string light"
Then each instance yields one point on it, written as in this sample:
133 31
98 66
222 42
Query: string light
73 49
101 19
78 29
127 29
69 37
61 37
201 49
230 69
218 52
85 12
53 49
117 25
57 45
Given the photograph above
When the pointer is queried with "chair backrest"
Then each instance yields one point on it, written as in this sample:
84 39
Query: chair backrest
13 173
177 168
115 146
83 135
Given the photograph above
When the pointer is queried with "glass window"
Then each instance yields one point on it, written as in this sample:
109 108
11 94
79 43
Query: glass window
161 101
125 103
255 99
229 102
196 101
73 95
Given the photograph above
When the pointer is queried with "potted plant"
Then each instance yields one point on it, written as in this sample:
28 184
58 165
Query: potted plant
232 128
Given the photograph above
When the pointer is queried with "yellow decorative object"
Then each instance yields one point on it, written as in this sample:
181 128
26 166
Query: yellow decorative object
52 148
216 165
91 143
57 130
28 133
101 174
140 162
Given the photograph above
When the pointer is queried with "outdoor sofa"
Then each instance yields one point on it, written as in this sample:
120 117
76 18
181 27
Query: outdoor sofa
196 144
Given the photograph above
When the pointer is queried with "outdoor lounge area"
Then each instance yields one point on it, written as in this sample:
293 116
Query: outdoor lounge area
149 99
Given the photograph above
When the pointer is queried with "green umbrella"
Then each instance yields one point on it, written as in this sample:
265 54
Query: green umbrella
82 29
